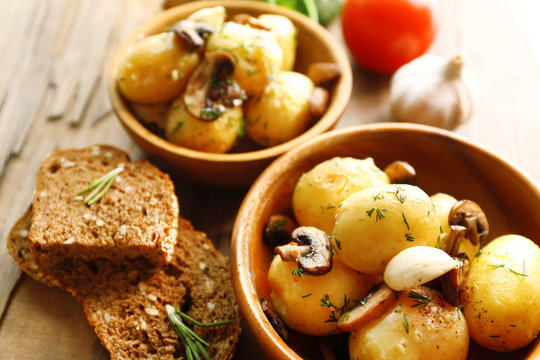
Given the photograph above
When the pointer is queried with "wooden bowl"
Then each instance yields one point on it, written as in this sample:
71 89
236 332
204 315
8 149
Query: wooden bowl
444 162
234 169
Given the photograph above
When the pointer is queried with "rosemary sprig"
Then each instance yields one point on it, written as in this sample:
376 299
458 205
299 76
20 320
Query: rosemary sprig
496 266
100 186
193 343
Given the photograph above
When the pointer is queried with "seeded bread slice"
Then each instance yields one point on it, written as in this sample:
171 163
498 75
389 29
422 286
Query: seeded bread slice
126 303
137 216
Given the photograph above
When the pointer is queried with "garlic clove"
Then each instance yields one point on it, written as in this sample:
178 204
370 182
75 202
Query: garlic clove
417 265
434 90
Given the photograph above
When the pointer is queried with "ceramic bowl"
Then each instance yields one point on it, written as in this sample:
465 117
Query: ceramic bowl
234 169
444 162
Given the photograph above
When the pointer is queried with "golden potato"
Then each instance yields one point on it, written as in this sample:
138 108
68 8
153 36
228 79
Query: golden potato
216 136
281 111
257 55
502 295
286 36
319 192
376 223
154 116
298 299
214 16
156 69
422 325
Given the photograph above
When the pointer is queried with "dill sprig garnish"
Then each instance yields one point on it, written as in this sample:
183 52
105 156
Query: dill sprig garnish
409 237
496 266
419 300
298 271
193 343
405 323
405 221
100 186
378 213
334 317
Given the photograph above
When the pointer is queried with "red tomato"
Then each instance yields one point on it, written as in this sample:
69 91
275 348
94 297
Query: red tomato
383 35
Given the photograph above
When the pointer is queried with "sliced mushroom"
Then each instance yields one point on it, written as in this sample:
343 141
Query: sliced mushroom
318 102
194 33
210 89
278 230
401 172
453 281
318 260
454 238
469 214
245 19
274 319
292 251
378 300
324 72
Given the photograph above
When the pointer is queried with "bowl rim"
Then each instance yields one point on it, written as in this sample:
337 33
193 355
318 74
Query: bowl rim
244 286
326 122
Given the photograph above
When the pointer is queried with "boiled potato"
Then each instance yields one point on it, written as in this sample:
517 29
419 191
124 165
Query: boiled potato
376 223
298 299
443 203
151 115
412 330
286 35
502 295
156 69
214 16
281 111
257 55
319 192
216 136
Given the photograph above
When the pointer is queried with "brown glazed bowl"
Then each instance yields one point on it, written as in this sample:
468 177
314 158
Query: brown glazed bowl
444 162
238 169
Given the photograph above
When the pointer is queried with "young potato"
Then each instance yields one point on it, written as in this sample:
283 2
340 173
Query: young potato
298 299
257 55
216 136
502 295
319 192
281 111
151 115
156 69
376 223
422 325
286 35
214 16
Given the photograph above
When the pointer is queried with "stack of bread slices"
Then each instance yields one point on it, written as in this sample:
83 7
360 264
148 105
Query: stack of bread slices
125 256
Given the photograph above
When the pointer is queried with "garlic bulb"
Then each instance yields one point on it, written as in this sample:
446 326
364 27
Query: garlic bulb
433 90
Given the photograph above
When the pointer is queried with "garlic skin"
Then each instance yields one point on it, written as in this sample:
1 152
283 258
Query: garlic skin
434 90
417 265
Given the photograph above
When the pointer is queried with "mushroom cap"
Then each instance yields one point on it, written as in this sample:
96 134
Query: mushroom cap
469 214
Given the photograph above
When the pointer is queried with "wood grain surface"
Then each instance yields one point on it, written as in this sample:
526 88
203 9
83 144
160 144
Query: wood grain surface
52 96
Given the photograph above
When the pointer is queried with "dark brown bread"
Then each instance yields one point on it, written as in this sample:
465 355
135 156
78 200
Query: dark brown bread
126 303
135 217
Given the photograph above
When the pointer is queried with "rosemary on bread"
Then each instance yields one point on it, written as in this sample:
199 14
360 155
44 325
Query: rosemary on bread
193 343
100 186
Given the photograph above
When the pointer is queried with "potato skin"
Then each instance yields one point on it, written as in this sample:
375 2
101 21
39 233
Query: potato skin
257 55
319 192
303 312
436 331
281 111
216 136
503 308
286 35
156 69
376 223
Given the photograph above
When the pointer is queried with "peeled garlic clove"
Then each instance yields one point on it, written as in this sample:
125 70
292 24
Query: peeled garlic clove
433 90
416 266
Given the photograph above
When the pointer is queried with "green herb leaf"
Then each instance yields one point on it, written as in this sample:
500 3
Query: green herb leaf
419 300
99 187
406 323
193 343
298 271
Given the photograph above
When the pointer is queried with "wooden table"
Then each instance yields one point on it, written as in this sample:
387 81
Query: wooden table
52 96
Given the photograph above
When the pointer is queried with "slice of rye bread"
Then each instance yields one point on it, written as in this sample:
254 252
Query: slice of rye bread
126 303
137 216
